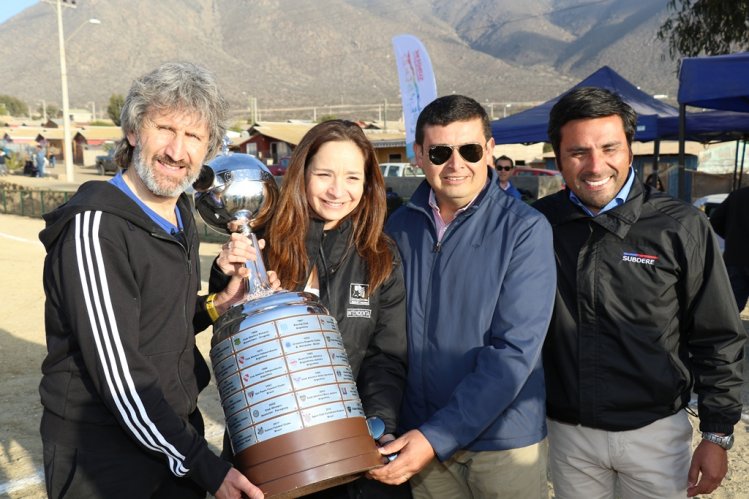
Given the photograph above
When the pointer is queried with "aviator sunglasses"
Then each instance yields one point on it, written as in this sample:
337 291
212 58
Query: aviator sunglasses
469 152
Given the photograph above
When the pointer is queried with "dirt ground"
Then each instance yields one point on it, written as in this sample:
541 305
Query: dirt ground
22 350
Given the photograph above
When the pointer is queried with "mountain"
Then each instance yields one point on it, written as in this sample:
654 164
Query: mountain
291 53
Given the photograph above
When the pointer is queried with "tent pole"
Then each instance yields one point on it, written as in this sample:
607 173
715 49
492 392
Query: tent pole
682 194
735 165
741 171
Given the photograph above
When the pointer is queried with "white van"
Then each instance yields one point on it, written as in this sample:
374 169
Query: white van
400 170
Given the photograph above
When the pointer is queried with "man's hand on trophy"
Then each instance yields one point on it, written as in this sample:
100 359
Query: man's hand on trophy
235 253
232 259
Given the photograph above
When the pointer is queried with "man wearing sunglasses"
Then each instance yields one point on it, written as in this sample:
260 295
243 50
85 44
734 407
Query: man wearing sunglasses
643 316
504 166
480 274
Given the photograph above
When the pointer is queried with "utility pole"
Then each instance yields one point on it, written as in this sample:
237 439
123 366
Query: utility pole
67 135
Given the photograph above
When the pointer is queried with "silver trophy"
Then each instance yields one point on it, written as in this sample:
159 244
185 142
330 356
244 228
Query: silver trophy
293 413
234 193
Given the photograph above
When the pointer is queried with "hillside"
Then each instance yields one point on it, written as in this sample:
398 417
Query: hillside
290 53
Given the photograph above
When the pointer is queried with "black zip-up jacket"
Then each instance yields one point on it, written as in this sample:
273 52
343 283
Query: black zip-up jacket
644 314
730 220
121 314
373 326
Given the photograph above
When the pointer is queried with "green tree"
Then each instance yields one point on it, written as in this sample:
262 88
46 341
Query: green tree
116 101
708 27
53 111
13 106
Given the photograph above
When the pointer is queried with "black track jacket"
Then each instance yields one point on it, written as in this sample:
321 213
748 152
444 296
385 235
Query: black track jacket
644 314
121 314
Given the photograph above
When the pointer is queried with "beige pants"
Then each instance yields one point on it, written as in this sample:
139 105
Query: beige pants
650 462
511 474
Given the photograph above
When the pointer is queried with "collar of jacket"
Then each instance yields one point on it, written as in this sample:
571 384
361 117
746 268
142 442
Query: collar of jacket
618 220
420 198
96 195
332 244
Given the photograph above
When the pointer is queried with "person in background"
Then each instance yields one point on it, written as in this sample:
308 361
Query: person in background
505 166
654 181
41 160
121 378
730 220
480 277
643 316
326 237
3 163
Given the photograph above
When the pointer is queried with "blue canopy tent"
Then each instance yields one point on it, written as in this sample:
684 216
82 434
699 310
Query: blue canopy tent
717 82
530 126
708 126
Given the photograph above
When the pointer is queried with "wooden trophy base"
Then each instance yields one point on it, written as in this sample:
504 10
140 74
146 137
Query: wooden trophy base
310 460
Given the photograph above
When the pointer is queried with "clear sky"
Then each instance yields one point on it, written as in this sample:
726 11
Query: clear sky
9 8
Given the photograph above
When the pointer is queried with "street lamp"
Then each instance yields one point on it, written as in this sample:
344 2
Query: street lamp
93 109
67 134
93 20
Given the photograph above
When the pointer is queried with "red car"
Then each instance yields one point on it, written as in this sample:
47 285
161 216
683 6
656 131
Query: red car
524 171
279 169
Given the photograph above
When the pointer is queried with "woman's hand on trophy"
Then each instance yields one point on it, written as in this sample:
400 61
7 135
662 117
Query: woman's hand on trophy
275 282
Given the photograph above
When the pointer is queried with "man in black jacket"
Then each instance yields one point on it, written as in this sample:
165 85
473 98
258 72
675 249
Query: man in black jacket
643 316
730 220
122 374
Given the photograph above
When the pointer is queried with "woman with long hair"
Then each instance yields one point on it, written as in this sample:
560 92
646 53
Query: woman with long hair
326 237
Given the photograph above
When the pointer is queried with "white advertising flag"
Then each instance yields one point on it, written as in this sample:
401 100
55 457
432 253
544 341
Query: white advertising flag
417 83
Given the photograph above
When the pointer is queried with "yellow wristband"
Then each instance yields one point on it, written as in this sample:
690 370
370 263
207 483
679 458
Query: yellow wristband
210 307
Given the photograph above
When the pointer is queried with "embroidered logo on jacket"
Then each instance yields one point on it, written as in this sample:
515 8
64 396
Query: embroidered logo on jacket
639 258
363 313
358 294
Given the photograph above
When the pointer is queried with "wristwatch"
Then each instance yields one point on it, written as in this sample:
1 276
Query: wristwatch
725 441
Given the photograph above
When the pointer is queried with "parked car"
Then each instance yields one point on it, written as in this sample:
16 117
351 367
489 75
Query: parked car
400 170
710 202
524 171
279 169
707 204
105 163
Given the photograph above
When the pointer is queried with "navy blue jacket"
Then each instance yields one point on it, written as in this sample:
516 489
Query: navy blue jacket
479 304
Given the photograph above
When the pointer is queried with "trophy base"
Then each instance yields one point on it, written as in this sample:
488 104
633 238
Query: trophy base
310 460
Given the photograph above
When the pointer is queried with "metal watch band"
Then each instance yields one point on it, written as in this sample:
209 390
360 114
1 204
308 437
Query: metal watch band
725 441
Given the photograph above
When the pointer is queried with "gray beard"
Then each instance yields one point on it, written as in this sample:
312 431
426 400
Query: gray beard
145 172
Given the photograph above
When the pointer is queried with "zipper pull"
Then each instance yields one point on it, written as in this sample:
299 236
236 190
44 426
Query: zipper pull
436 247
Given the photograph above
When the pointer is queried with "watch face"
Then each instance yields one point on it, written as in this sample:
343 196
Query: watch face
728 442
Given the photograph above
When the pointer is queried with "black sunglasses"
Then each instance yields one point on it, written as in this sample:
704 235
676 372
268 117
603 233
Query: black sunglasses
469 152
505 168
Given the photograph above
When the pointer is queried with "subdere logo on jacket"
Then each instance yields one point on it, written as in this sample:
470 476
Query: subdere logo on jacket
639 258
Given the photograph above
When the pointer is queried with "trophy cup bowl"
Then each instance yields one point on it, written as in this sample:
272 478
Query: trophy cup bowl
293 413
235 188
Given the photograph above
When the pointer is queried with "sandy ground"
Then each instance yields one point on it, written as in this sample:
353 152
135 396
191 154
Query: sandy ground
22 350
